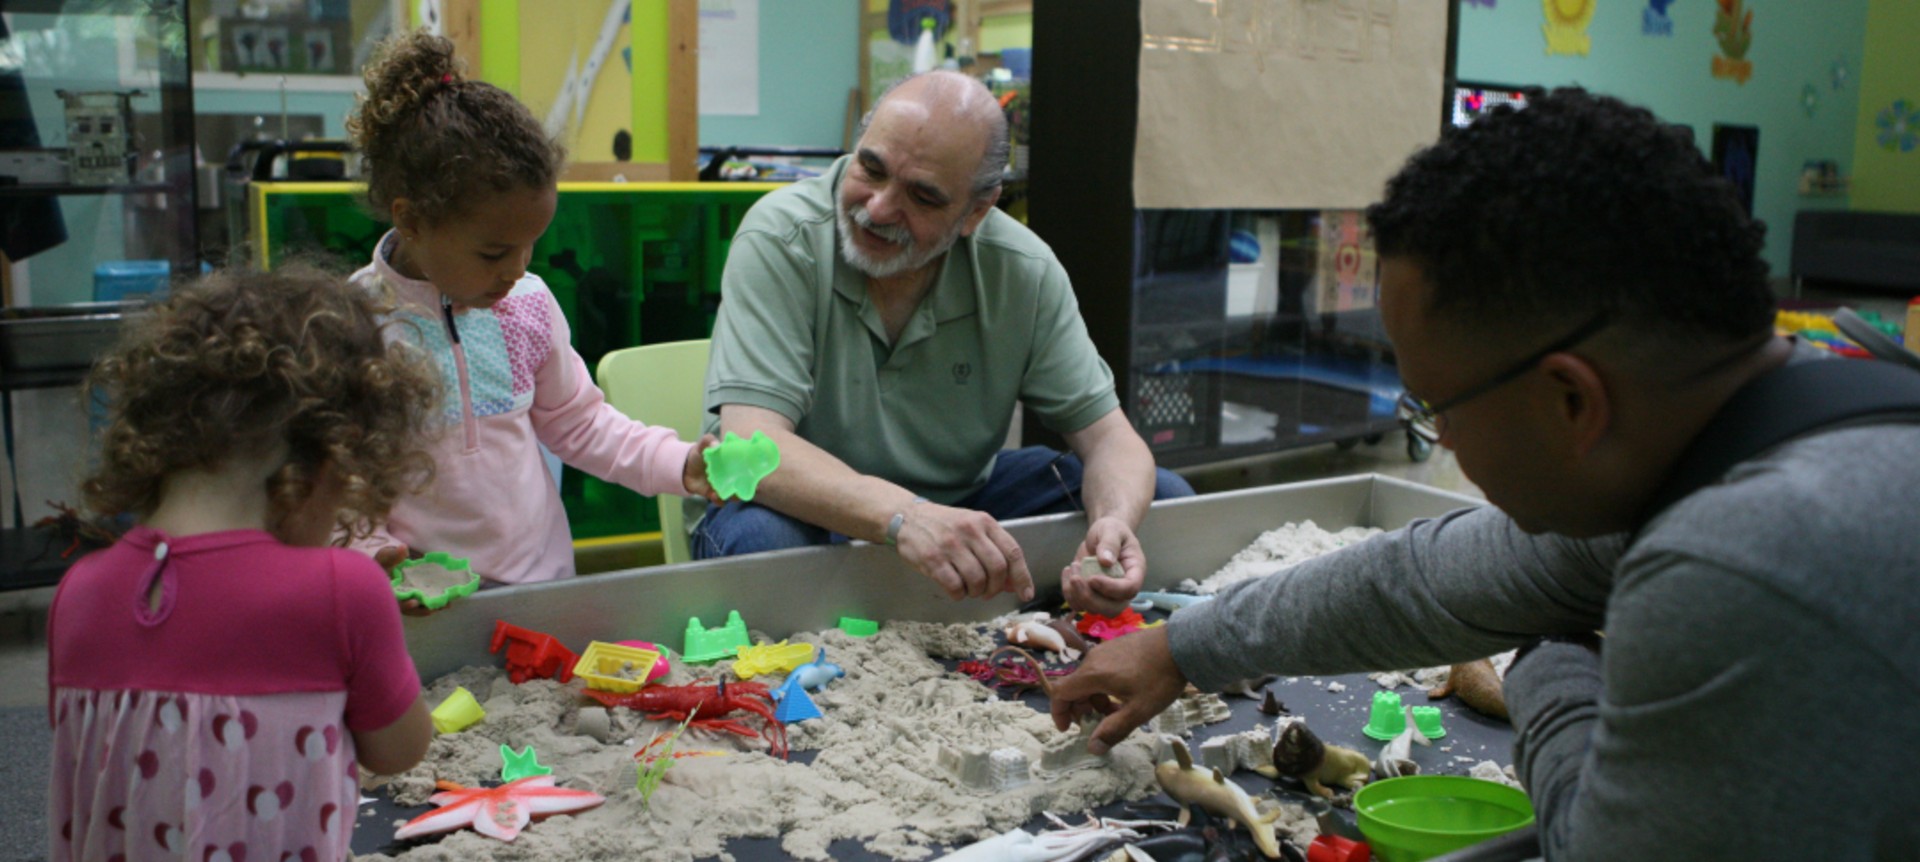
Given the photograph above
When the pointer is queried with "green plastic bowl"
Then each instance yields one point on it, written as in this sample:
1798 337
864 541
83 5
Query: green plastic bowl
1422 816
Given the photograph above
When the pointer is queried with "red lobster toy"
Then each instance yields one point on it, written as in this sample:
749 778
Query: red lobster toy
676 702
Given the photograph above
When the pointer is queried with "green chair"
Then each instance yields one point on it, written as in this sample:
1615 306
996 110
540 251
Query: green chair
661 384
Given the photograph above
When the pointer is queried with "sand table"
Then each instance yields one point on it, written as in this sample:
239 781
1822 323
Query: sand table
881 755
431 578
877 777
1277 549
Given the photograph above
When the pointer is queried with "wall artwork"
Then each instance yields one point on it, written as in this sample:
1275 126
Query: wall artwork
1654 20
1899 126
1736 156
1566 26
1733 29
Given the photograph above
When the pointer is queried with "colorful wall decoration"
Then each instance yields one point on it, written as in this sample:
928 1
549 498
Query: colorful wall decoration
1733 29
582 83
1793 43
1654 20
1886 162
1898 126
1566 26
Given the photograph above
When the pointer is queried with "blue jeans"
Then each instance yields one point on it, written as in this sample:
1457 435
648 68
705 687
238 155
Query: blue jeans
1035 480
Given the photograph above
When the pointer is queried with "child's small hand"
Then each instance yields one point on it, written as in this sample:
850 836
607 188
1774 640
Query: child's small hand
390 556
393 555
696 473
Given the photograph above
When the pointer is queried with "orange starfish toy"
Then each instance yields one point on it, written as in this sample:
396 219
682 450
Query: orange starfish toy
497 812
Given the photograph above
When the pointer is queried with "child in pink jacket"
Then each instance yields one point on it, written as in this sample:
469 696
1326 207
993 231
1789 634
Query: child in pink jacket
467 176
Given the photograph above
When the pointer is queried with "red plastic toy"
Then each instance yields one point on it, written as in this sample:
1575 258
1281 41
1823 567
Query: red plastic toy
1108 628
1333 848
702 705
531 654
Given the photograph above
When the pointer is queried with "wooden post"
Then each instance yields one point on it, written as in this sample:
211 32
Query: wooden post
683 91
462 23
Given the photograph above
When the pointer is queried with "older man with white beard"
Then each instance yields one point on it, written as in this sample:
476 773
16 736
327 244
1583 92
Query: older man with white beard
880 323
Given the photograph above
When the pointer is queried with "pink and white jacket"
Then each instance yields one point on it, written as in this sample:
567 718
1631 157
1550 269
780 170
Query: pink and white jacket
512 381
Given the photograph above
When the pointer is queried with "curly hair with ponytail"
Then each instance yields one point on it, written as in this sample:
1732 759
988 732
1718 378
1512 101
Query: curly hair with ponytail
430 135
248 363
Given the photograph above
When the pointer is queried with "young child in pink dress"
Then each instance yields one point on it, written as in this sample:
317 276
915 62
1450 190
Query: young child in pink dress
217 672
468 178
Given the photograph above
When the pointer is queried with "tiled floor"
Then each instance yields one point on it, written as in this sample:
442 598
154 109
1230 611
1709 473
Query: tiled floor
23 650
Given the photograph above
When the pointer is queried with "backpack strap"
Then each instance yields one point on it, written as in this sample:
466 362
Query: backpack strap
1786 403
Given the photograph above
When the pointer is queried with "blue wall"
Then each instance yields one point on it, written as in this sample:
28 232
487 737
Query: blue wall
1795 43
809 59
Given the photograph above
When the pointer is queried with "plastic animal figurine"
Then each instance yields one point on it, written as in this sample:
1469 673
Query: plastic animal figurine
1213 793
1017 675
678 702
817 673
1035 632
1396 758
1036 675
1299 753
496 812
1069 635
1168 602
1066 841
1478 686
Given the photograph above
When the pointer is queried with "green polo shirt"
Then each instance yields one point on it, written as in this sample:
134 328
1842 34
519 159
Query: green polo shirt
796 334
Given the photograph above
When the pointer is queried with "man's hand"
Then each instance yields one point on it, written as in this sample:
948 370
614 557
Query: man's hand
1110 541
1136 671
694 477
966 552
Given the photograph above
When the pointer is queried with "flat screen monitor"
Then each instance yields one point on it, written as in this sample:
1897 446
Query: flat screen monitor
1473 98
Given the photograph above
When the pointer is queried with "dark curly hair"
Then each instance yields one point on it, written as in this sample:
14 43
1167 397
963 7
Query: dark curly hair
1576 205
245 361
428 134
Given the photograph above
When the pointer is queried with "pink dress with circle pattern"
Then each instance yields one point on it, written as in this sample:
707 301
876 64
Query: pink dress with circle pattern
217 725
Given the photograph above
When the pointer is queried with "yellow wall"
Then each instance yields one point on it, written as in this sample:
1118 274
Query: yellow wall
555 35
1884 178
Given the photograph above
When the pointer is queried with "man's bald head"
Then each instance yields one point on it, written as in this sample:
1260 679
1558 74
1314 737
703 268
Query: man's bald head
958 103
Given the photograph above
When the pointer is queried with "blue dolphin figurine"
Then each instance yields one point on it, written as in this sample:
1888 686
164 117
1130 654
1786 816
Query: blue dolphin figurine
814 674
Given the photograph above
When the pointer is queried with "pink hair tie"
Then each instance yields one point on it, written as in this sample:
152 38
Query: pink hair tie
447 78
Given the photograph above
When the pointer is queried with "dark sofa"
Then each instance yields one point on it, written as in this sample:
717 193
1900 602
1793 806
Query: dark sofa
1857 250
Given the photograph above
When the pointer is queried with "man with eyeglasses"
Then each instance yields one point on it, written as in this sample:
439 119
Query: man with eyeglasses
1716 662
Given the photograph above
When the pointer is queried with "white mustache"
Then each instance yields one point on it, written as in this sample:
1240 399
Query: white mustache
893 233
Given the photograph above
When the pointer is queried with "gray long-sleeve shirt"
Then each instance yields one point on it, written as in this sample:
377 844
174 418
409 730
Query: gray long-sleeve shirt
1759 693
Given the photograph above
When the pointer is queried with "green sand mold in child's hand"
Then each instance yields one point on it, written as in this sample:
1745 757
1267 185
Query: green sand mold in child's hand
434 580
735 466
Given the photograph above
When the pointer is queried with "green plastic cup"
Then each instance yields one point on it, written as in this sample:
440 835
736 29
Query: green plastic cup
1427 719
1388 719
1422 816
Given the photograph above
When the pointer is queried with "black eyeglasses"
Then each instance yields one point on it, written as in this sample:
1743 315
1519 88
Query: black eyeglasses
1424 419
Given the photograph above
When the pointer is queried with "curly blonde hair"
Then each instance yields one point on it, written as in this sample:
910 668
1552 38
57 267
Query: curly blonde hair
428 134
245 362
